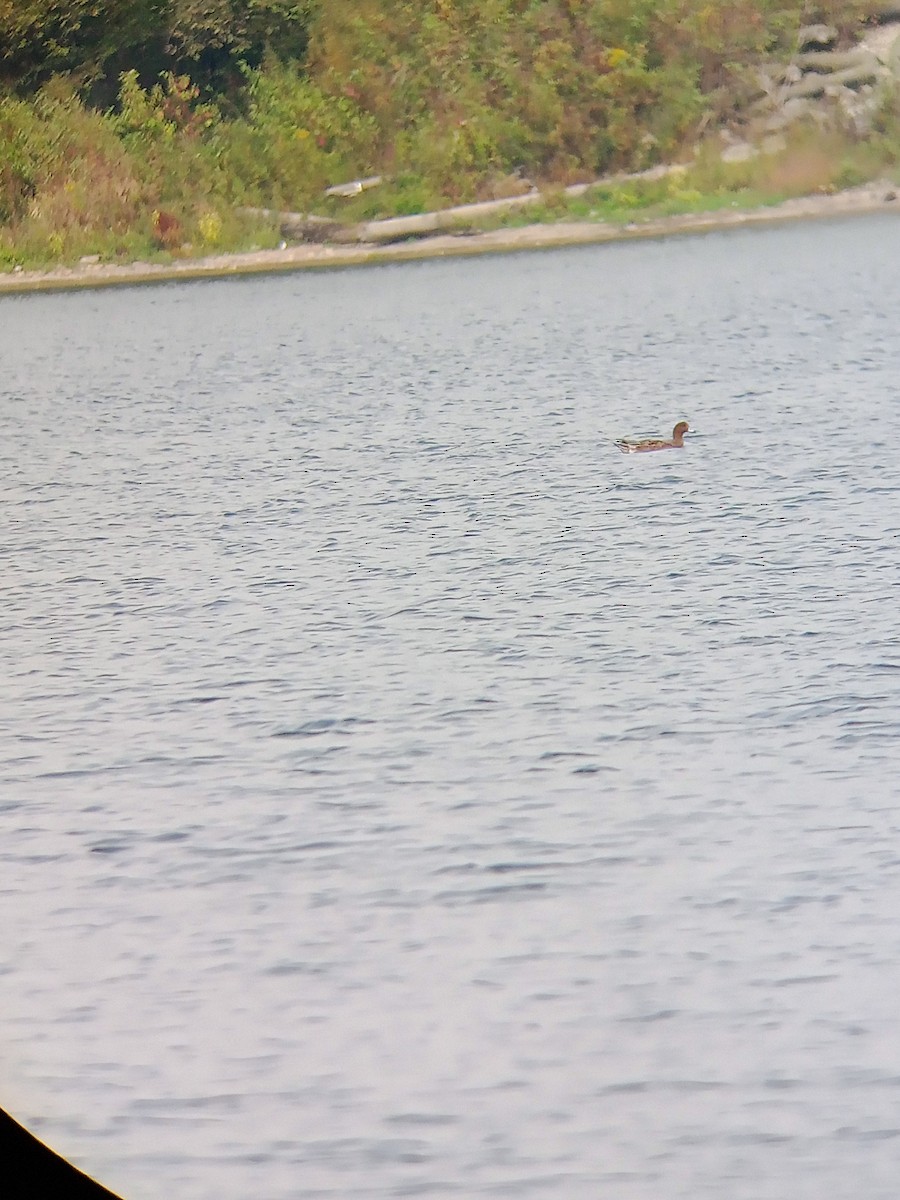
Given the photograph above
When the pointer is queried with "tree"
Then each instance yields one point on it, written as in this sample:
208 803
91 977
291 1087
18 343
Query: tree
97 40
40 38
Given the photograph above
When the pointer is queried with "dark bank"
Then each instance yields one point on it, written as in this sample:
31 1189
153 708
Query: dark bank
32 1171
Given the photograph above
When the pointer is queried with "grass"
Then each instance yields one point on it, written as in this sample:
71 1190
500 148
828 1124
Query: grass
160 182
812 163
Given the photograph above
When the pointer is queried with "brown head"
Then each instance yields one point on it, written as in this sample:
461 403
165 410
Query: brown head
679 431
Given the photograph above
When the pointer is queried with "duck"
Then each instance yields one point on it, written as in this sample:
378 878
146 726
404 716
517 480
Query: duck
676 442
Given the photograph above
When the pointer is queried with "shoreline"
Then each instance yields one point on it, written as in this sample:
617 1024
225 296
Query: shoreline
879 196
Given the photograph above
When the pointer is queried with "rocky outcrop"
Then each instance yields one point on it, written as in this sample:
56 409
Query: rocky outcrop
816 37
831 62
827 80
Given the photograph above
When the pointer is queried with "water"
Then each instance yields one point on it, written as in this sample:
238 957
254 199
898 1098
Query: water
404 793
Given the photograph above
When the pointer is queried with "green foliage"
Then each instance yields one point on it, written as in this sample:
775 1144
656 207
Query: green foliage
144 126
295 140
244 29
97 39
844 15
145 180
64 165
463 88
216 40
40 38
23 148
158 115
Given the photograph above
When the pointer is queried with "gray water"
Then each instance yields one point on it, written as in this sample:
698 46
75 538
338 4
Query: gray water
403 793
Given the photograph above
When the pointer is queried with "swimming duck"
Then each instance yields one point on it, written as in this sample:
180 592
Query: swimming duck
638 447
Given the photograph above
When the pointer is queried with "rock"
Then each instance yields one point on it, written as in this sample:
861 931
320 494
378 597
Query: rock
812 86
776 122
513 184
820 85
858 111
299 227
89 260
739 152
828 61
795 108
816 36
882 41
798 108
883 11
859 77
774 76
768 80
305 227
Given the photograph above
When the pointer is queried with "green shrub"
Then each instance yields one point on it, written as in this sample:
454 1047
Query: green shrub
295 140
226 104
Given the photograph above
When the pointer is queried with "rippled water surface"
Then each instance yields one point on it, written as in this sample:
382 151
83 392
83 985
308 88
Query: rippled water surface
406 794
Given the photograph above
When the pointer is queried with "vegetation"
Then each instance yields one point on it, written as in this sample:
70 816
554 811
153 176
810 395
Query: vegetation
133 128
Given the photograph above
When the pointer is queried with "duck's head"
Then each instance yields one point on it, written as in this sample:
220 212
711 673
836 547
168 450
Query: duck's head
680 430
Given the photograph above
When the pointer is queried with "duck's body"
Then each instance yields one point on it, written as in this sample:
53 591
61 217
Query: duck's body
627 446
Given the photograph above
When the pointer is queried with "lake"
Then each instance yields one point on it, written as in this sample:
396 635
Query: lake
406 794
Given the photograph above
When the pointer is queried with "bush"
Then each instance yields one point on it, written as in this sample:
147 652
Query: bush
295 140
444 98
